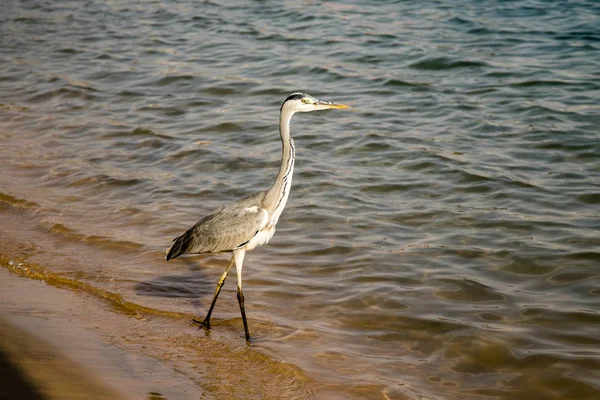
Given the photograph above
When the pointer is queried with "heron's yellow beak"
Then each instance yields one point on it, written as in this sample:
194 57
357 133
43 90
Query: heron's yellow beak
329 104
337 105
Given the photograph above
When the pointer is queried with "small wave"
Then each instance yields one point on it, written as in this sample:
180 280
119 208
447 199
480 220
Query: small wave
469 290
508 74
572 147
33 271
69 51
480 31
162 110
123 76
460 21
395 82
589 198
70 82
190 153
326 71
584 256
441 63
16 202
337 249
367 59
374 147
390 188
30 20
583 35
174 286
14 107
139 131
540 82
101 241
419 165
565 278
167 80
63 92
524 266
105 180
112 243
472 177
223 127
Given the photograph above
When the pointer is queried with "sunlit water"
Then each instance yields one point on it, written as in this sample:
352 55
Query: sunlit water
442 237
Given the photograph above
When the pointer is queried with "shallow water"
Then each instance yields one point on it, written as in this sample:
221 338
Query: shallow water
441 239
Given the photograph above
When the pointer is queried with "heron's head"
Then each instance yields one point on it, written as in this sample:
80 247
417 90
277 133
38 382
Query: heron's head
302 102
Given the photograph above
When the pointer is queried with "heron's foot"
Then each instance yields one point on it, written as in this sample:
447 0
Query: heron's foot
201 324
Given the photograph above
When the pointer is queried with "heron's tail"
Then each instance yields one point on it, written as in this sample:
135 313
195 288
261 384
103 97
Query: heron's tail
179 246
172 252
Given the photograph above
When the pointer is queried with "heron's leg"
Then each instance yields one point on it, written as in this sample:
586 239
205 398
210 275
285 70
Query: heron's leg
239 260
220 284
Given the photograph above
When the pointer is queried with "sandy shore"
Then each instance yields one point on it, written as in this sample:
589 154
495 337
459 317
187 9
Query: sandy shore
30 368
54 345
49 351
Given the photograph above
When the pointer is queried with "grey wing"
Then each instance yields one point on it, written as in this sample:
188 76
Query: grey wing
225 229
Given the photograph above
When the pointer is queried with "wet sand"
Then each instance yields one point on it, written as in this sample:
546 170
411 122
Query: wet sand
51 348
48 351
30 368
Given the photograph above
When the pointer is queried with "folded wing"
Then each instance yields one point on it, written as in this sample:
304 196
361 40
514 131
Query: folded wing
225 229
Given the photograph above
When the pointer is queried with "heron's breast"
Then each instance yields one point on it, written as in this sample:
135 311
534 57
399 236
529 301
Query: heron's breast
262 237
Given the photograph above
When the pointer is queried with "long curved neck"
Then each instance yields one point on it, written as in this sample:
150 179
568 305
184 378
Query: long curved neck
277 195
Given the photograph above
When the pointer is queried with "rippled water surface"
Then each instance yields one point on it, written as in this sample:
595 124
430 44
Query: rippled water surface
442 237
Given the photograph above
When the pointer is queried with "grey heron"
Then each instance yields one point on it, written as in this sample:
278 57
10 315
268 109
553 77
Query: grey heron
250 222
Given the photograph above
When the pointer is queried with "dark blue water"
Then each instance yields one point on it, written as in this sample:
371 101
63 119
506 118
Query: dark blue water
442 237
